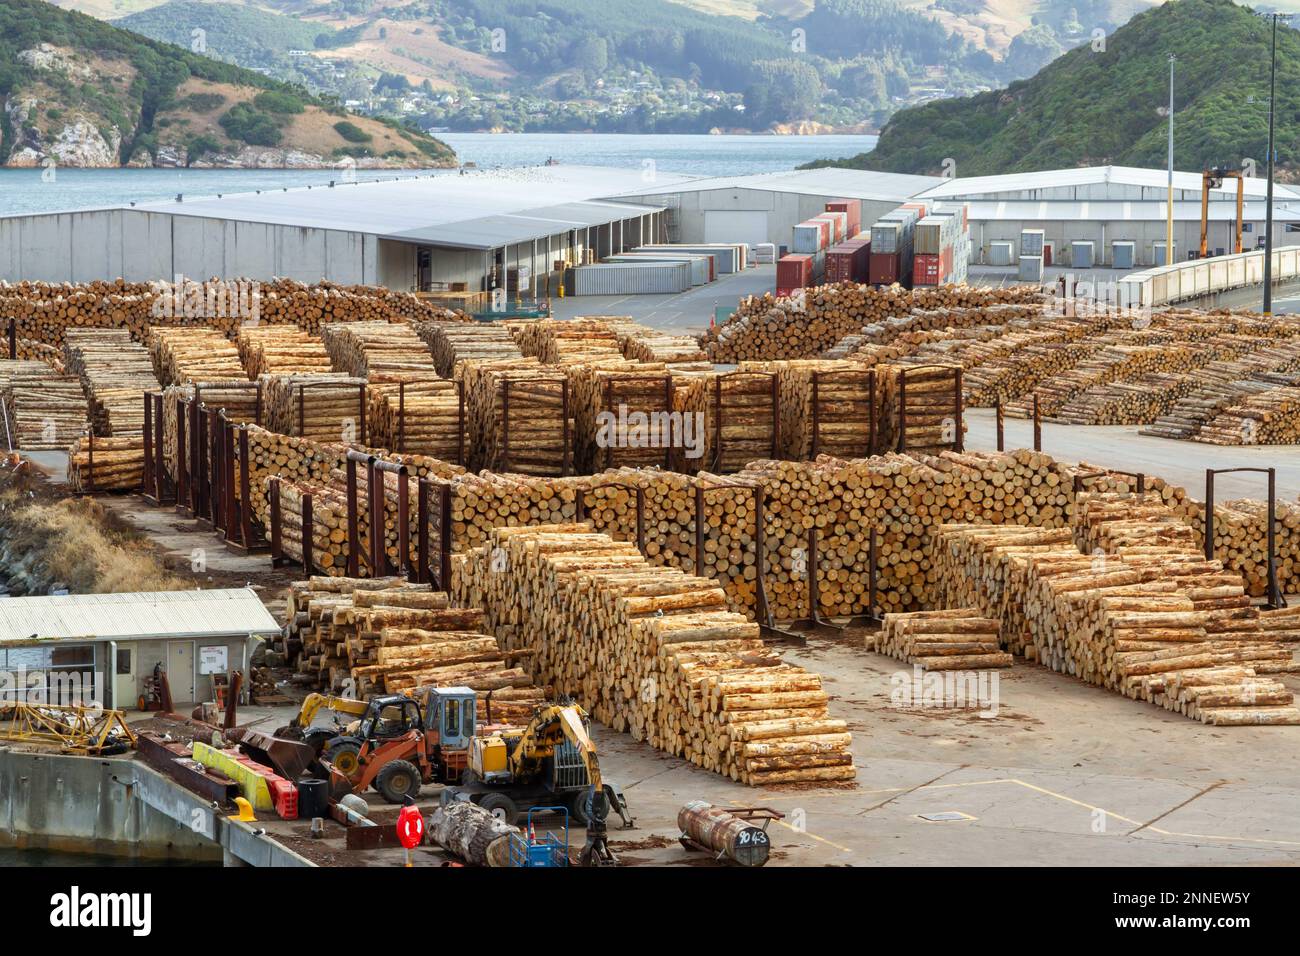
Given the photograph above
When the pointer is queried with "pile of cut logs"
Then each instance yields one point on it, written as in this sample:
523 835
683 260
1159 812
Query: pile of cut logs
329 406
384 635
453 342
115 374
106 464
518 415
949 640
1269 417
187 354
424 416
280 350
377 351
553 340
739 414
43 410
653 651
621 414
806 325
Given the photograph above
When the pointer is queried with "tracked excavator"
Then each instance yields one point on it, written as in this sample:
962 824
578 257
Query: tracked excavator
552 760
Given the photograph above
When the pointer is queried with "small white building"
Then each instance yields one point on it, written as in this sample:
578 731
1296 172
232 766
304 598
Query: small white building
102 647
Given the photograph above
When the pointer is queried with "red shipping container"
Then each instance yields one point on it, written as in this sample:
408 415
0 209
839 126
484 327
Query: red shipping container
851 208
884 268
926 269
793 272
839 225
847 262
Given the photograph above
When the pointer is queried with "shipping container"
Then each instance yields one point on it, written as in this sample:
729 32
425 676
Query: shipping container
794 271
852 208
935 231
883 268
1001 253
1031 268
764 253
1031 242
701 266
811 236
839 226
1082 254
1123 254
848 261
731 256
631 278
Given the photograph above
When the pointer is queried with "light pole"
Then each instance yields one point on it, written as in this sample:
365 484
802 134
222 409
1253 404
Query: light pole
1268 213
1169 205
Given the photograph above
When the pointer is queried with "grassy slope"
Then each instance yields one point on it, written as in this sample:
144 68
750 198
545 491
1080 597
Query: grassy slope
1094 108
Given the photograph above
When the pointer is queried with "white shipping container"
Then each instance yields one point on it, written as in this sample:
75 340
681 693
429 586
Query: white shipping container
1032 242
630 278
1031 268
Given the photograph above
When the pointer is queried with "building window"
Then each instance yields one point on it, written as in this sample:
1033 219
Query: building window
1247 227
123 660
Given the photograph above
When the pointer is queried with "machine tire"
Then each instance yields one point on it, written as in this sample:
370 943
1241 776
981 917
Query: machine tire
501 806
344 755
398 780
578 815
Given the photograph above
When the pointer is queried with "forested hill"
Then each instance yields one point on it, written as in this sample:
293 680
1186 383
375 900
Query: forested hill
76 91
1105 103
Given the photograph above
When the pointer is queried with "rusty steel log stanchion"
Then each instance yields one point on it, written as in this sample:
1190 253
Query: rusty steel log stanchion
1000 419
13 340
277 542
147 488
960 436
159 464
1038 426
184 496
308 544
1274 598
351 460
377 498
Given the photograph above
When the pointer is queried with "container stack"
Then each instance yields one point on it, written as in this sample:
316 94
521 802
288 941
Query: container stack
940 248
891 245
793 272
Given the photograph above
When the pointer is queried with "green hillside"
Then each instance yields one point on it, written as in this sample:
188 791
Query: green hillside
79 92
1096 107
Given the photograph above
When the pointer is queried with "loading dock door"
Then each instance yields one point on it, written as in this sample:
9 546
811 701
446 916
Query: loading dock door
736 225
180 671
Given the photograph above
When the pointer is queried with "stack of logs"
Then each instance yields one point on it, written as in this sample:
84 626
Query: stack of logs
43 409
453 342
377 351
328 407
653 651
280 350
518 416
424 416
184 355
384 635
947 640
115 373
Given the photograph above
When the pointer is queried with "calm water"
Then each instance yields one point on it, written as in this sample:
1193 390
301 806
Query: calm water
27 190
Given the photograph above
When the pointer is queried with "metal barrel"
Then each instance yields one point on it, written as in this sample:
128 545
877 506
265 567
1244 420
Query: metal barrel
716 829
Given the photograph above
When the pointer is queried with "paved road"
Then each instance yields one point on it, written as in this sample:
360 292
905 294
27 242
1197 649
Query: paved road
686 312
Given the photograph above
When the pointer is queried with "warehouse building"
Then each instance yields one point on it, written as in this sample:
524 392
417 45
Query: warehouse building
766 206
472 231
1101 205
1105 205
104 647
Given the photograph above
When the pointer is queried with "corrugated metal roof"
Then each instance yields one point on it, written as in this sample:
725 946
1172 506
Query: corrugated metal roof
1092 176
830 181
234 612
487 232
435 204
1119 210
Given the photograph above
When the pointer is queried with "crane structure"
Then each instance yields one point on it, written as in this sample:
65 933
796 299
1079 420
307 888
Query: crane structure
1212 179
73 728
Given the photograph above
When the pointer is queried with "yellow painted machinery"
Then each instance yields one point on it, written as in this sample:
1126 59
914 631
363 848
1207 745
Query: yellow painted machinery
74 729
1213 179
550 762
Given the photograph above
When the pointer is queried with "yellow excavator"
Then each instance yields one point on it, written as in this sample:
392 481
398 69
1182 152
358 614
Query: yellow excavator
550 762
300 727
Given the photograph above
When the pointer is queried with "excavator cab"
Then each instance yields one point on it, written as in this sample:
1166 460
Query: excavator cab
451 712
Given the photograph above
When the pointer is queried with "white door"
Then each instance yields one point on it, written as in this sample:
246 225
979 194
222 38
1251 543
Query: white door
736 225
180 671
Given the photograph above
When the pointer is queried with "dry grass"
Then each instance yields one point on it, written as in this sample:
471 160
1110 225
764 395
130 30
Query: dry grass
76 543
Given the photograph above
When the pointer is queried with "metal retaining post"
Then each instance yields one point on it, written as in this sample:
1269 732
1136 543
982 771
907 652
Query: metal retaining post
1274 598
